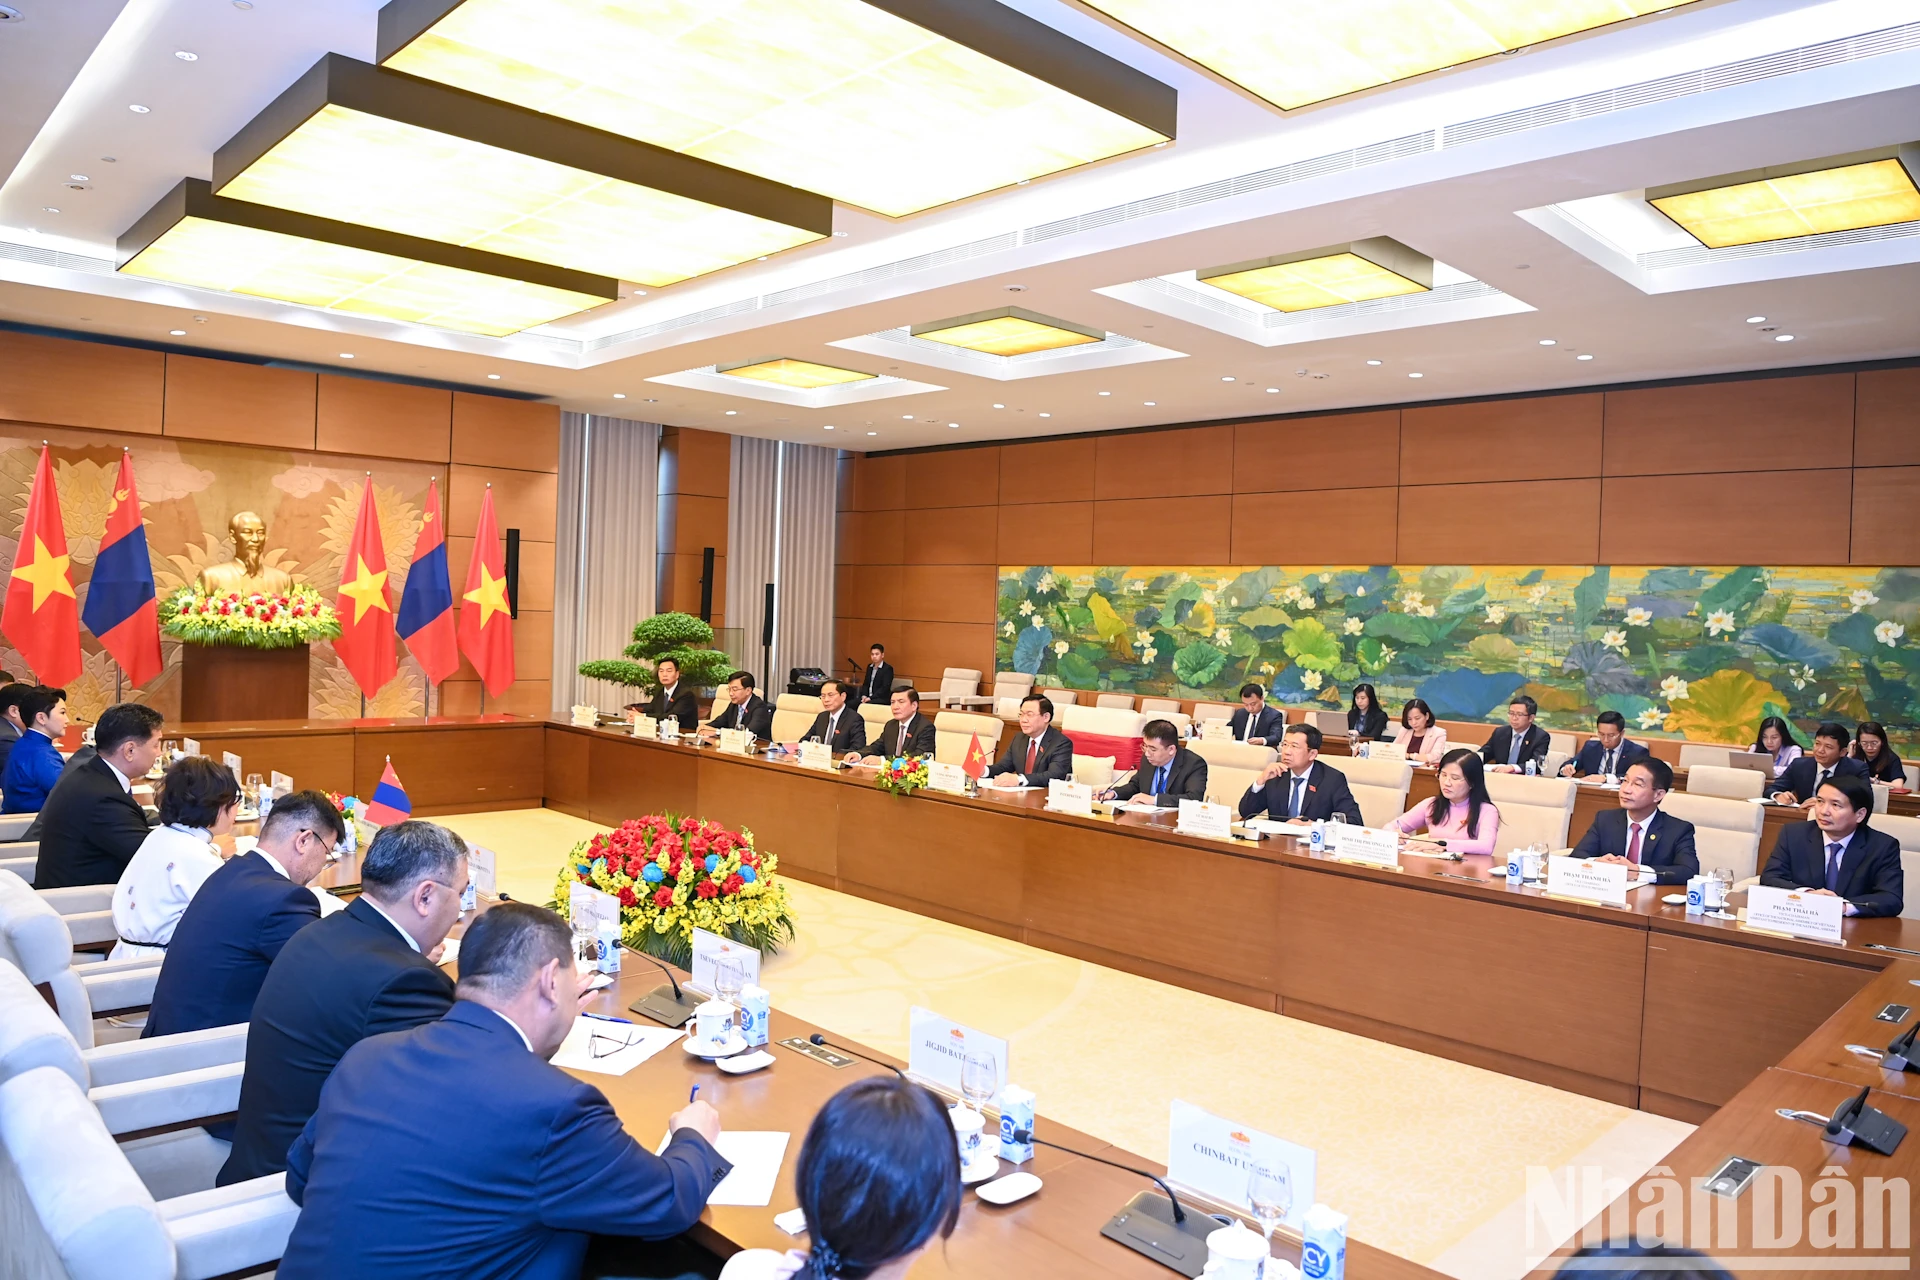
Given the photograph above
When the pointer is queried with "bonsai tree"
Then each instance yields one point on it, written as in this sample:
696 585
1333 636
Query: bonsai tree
679 636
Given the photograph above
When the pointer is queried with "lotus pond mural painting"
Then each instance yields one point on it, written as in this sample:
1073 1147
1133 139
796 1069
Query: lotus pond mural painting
1701 653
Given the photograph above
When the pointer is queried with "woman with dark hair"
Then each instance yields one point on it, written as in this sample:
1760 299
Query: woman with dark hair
878 1177
1461 819
1366 718
197 802
1776 739
1425 741
1870 746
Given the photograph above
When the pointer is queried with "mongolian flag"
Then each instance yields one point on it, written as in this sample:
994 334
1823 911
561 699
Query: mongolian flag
42 615
976 763
426 605
389 804
366 612
120 598
486 621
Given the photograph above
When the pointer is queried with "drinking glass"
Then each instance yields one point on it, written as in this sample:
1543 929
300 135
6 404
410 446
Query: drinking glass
1270 1196
979 1079
728 978
1725 876
169 750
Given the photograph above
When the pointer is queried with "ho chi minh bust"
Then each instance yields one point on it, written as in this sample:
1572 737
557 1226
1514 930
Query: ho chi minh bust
244 573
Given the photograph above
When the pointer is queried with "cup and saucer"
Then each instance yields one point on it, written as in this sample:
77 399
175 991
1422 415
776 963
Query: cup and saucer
987 1166
713 1050
713 1033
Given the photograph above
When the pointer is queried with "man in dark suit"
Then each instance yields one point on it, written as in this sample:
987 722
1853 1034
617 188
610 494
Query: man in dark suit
91 826
1298 786
357 973
838 724
1519 740
239 920
908 734
1168 772
876 682
1608 754
1637 832
1039 753
745 710
1838 854
34 762
10 725
672 700
1803 778
456 1149
1256 723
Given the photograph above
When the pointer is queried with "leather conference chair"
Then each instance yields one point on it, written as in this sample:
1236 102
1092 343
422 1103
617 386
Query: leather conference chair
1726 833
793 713
1728 784
1117 701
1532 809
953 733
1379 786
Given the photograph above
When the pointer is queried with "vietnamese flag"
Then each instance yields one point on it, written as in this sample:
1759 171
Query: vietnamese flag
120 597
42 615
366 611
975 766
486 620
426 605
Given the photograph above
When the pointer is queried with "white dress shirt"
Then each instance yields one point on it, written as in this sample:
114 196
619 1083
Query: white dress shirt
166 871
390 920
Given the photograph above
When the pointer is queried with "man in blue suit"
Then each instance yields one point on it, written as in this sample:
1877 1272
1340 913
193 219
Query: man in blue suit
1802 779
457 1150
35 762
1838 854
1256 723
240 918
1607 754
1637 832
1298 787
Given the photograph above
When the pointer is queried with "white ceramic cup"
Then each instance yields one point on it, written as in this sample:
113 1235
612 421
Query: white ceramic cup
968 1126
712 1024
1235 1253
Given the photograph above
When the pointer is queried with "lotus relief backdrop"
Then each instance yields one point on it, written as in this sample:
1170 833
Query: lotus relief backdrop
188 492
1700 653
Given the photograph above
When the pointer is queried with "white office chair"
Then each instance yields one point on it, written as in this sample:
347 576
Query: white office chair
876 714
1532 808
1698 753
1061 697
953 733
1094 771
1159 706
34 939
1232 767
1117 701
22 857
960 687
793 714
1379 786
1726 832
1725 783
1009 687
1907 832
13 826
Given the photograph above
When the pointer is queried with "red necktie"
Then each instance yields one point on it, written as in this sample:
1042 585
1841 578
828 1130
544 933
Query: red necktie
1633 846
1033 754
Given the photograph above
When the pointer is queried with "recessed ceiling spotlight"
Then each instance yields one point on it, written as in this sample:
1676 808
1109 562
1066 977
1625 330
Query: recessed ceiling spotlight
1016 288
619 395
1546 342
907 417
346 355
838 235
733 413
47 208
78 177
177 333
1149 403
1273 391
11 15
1521 266
1373 362
999 406
137 109
109 159
873 433
954 425
1046 415
493 377
1583 357
1106 393
828 427
650 400
1783 337
1226 379
1756 319
1416 375
186 56
243 4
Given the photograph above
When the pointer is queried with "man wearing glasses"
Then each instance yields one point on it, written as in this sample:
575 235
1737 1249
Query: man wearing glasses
242 916
369 969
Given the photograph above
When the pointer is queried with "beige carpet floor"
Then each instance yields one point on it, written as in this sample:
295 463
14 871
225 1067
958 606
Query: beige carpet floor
1428 1156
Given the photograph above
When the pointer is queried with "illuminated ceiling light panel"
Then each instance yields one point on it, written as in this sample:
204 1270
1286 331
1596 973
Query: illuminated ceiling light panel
892 105
1327 277
1305 51
1840 193
803 374
360 144
194 237
1008 331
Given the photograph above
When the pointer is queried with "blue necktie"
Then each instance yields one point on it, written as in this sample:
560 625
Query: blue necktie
1519 740
1160 780
1833 867
1293 804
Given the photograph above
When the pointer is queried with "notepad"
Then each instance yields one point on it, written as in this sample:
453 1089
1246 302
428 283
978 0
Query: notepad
756 1157
593 1045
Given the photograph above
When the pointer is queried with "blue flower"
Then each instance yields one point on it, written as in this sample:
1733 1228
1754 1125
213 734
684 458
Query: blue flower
749 874
652 873
713 860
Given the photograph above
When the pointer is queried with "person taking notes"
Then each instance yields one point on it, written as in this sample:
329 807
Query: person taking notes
1607 754
1297 787
1039 753
1462 818
1805 776
745 710
1518 740
1168 772
1638 832
1425 741
1256 723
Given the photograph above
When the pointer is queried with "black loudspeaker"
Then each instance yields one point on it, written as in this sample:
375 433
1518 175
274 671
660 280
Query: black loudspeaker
513 573
706 585
766 621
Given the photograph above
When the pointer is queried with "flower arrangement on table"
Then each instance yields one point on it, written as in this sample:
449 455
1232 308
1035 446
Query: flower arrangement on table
673 875
252 621
902 775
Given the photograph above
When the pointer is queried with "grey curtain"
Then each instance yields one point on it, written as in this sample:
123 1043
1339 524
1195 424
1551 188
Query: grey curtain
780 529
604 550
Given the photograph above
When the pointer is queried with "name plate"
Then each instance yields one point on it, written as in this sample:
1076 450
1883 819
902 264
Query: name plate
480 869
232 762
282 784
816 755
1070 797
1216 731
1198 818
585 715
646 727
190 746
708 948
1589 880
735 742
1386 751
1795 912
1369 846
950 778
937 1049
1213 1156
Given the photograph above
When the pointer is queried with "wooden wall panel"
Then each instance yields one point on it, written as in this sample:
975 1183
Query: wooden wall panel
1316 453
494 431
1048 470
1162 464
1884 528
694 522
1800 422
1292 528
524 698
843 472
953 535
854 636
1046 533
946 592
536 570
1537 438
928 648
1545 522
81 384
961 478
677 585
383 419
523 500
702 460
239 403
1886 423
867 591
1714 519
1163 531
869 537
880 484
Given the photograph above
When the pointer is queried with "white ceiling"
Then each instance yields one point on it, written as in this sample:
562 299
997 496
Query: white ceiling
1472 194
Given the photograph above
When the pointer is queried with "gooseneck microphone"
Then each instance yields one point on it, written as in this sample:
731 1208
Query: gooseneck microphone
1179 1214
823 1042
668 1005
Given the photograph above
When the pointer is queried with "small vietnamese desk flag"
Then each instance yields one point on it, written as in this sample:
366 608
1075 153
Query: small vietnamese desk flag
389 804
486 622
426 604
120 598
976 762
366 612
42 615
